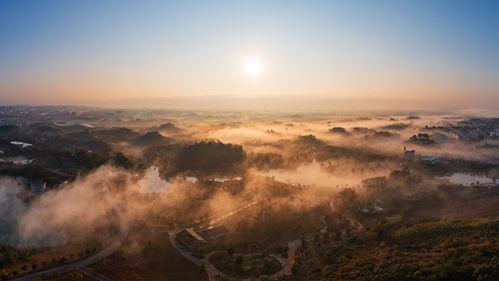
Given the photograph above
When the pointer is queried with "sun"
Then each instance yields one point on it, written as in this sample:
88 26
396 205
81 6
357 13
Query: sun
253 66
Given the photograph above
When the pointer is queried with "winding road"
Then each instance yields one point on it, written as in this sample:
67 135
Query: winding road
94 274
79 264
118 242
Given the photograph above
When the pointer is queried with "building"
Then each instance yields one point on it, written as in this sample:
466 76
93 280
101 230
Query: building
213 233
429 159
190 239
21 144
38 186
409 153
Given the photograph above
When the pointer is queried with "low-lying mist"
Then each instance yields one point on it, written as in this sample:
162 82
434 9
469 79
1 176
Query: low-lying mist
203 167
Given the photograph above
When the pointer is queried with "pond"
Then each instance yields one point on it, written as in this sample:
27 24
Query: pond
311 174
467 179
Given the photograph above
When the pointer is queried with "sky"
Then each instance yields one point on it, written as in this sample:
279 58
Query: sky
112 51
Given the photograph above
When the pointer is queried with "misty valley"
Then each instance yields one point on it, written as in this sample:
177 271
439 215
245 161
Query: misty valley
107 194
261 140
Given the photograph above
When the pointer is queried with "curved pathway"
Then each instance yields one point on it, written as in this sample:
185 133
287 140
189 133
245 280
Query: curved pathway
79 264
287 263
293 245
183 251
94 274
118 242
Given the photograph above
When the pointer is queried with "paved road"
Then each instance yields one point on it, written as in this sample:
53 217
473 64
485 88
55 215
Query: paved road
229 214
82 263
290 261
118 242
209 221
217 218
183 251
94 274
211 270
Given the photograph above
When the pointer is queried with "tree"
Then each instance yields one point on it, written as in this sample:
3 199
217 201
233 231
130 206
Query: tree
375 182
207 158
63 259
34 266
24 267
239 260
231 251
4 275
120 160
267 278
488 272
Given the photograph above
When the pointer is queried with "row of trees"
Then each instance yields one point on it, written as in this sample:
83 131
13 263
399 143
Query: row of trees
55 261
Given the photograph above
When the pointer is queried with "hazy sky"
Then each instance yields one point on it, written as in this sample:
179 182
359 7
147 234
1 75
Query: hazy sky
81 51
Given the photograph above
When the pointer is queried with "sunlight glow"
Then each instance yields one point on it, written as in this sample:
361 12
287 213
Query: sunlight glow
253 66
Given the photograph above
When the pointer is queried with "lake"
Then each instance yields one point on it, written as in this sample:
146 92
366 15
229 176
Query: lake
467 179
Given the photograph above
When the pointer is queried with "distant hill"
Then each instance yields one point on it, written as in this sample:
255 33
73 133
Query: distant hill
117 134
151 138
8 129
46 130
169 127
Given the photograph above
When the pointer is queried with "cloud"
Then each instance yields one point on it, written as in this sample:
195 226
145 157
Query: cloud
11 208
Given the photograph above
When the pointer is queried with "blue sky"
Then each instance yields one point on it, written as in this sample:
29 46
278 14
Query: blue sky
74 50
